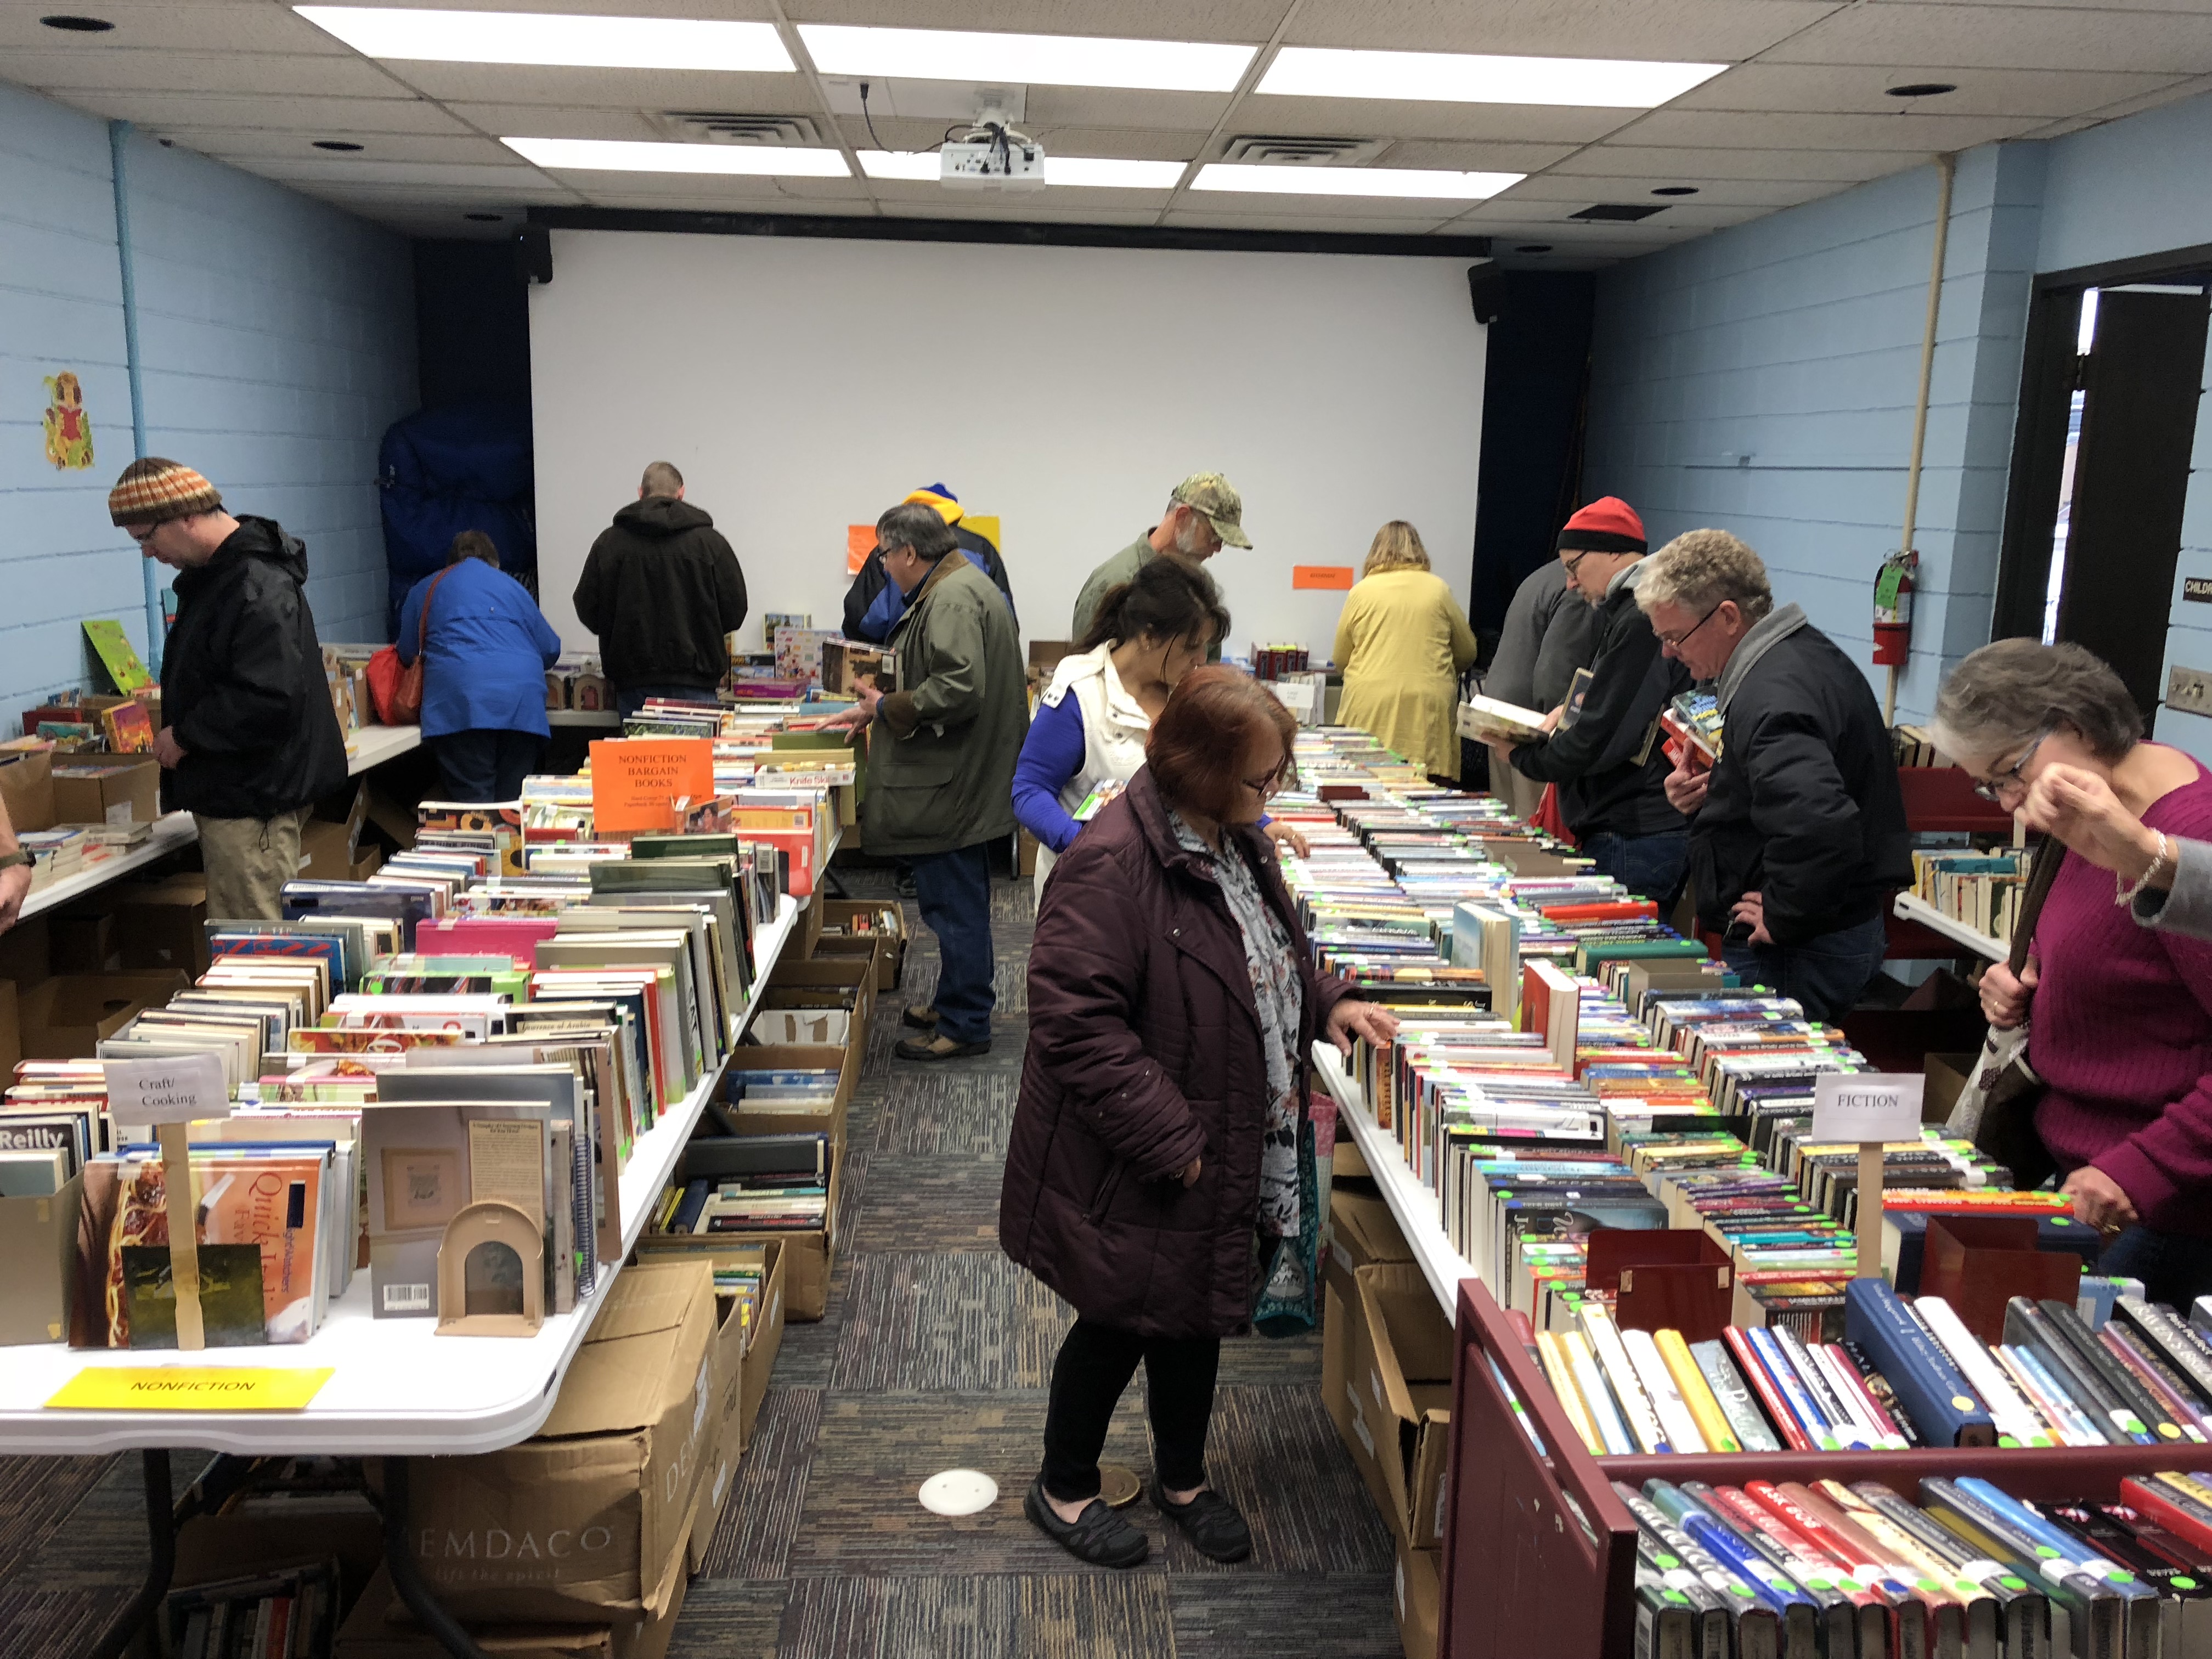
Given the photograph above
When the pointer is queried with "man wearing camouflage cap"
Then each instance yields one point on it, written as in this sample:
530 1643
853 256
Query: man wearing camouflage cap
1204 515
249 740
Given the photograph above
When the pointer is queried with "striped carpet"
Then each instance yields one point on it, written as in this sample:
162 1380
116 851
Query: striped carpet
935 1353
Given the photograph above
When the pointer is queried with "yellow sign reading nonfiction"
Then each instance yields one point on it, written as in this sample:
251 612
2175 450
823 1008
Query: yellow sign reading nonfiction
189 1389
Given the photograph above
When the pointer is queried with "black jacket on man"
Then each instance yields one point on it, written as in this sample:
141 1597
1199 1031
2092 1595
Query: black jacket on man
869 582
242 683
1804 806
661 589
1610 767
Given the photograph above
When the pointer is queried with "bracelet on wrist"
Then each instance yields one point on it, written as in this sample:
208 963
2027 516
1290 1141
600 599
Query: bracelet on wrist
2125 892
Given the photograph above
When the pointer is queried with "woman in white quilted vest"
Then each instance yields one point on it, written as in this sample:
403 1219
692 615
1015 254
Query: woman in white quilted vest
1092 721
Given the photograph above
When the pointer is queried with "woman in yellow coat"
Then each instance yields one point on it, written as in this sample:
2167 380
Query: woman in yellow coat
1402 642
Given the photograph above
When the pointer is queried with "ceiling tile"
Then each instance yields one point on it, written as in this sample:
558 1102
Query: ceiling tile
1585 188
1827 89
2006 37
605 89
1365 118
1144 20
1735 129
1316 224
1114 107
1551 215
150 71
764 193
1234 202
552 121
231 144
342 170
754 11
208 26
2194 87
1474 157
183 112
1696 30
1665 165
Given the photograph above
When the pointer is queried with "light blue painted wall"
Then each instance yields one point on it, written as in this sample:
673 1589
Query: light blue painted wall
1762 379
278 341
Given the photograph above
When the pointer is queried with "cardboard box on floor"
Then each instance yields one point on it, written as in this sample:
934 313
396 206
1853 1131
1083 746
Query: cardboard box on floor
1401 1379
212 1547
888 949
742 1364
1361 1232
380 1627
587 1521
1419 1595
66 1018
832 983
815 1120
163 925
806 1258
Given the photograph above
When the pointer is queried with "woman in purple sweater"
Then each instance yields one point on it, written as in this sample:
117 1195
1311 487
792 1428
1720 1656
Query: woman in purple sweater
2122 1027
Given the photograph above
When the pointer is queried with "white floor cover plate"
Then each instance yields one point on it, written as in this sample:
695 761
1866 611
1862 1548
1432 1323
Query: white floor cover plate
959 1492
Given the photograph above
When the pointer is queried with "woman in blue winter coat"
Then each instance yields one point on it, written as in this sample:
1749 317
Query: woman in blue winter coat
485 654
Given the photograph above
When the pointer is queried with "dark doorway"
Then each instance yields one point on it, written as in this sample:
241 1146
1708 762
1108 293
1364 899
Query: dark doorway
2101 466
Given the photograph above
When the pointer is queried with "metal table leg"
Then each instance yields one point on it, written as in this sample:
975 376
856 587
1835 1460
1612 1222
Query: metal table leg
407 1578
162 1534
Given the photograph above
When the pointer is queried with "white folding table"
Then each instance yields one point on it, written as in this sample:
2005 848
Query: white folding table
396 1389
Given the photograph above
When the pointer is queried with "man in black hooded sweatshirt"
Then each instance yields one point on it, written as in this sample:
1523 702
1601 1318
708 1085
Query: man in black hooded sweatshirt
662 589
249 739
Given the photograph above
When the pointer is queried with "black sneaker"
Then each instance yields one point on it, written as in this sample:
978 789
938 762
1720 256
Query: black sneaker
922 1020
1209 1520
938 1047
1098 1535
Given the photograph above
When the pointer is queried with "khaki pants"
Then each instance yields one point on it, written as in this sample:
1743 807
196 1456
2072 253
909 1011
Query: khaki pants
248 861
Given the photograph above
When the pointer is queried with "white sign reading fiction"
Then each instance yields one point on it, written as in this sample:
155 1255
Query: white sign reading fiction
181 1088
1867 1106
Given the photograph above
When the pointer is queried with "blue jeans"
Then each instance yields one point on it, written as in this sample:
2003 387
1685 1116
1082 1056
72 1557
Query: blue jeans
629 699
2175 1269
1650 867
485 763
954 892
1826 974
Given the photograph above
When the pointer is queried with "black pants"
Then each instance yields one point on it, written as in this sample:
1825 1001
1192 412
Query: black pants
485 763
1094 1365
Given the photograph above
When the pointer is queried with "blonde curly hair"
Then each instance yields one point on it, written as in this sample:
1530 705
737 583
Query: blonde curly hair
1699 568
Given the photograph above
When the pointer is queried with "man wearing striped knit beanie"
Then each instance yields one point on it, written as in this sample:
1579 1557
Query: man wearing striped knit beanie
249 740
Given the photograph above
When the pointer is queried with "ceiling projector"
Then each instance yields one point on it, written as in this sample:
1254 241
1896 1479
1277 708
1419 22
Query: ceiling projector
991 155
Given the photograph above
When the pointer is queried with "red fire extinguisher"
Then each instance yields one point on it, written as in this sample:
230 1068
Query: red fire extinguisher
1893 609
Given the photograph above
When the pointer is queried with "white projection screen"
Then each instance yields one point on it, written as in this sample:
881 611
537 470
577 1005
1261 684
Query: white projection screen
803 384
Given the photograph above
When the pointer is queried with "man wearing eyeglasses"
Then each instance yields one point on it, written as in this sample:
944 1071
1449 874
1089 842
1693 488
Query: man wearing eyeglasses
249 740
1205 515
1604 755
1797 834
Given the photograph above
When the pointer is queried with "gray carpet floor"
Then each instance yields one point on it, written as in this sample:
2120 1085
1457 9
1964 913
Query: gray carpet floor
935 1353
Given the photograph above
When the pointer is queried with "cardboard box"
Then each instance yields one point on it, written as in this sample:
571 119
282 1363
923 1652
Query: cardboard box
1418 1595
66 1018
742 1364
85 940
212 1547
164 925
1361 1232
809 1027
380 1627
848 983
805 1262
587 1521
38 1241
107 789
26 952
1403 1379
27 790
888 949
773 1057
325 853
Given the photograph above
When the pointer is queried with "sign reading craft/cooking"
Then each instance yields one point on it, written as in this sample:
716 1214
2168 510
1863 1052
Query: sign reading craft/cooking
636 781
1335 577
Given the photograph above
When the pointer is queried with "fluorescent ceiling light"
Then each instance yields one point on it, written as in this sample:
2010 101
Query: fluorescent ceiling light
1474 78
1353 182
1092 171
1058 60
521 37
641 156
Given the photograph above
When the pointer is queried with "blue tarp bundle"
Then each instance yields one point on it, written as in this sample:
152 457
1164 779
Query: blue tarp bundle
467 466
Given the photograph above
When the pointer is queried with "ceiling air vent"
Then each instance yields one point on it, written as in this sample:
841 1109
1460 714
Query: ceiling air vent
1284 151
727 127
1618 212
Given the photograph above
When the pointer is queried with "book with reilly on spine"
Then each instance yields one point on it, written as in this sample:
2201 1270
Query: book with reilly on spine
1933 1391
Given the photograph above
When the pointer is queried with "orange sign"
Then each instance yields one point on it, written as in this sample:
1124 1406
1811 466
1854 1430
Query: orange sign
859 542
636 781
1334 576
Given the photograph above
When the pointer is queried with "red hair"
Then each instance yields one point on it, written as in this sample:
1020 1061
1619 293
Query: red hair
1196 753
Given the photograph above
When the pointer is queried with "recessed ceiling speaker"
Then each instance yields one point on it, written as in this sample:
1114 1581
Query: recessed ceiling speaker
1485 287
533 254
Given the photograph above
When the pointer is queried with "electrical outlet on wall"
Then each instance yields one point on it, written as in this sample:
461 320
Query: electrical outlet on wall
2190 690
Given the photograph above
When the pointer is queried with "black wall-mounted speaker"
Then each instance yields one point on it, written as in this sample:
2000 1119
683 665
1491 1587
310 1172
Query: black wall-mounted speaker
533 254
1485 287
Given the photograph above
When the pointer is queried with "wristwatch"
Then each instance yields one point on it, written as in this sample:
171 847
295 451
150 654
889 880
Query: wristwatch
9 860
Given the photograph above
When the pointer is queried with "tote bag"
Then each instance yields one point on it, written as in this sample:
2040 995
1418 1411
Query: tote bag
1997 1109
397 690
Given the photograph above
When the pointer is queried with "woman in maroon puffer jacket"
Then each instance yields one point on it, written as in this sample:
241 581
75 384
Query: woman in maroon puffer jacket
1173 1005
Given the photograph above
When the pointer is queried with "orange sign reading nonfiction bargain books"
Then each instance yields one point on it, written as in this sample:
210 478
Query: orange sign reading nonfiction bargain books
636 781
1336 576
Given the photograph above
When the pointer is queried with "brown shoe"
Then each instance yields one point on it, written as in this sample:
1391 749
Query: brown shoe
922 1020
939 1048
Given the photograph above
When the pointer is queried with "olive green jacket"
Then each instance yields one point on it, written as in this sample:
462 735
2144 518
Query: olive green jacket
942 751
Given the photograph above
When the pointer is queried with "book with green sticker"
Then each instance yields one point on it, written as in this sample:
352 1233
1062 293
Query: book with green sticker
117 654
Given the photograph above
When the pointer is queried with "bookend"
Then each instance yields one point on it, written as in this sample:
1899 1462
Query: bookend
1979 1263
491 1272
1674 1281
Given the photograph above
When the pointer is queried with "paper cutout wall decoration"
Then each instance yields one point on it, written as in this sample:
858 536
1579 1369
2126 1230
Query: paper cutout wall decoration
69 428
